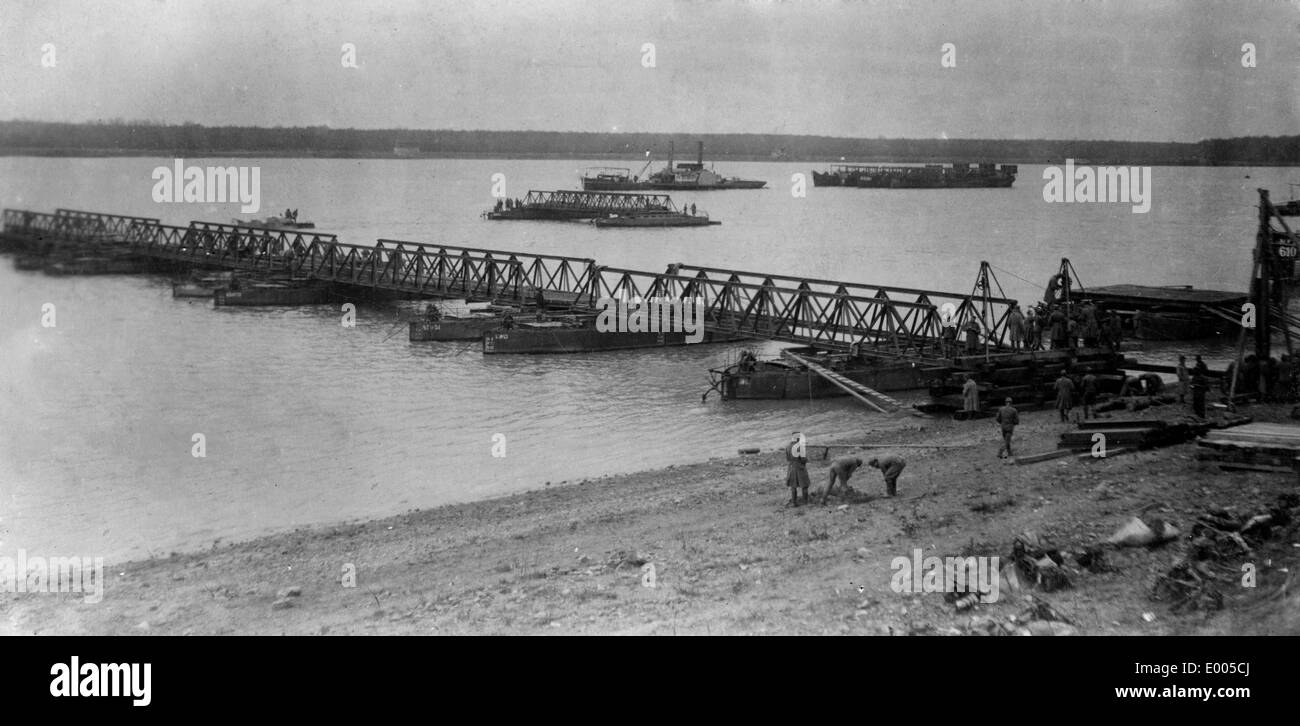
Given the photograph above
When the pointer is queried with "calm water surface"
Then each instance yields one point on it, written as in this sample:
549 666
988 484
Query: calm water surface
308 422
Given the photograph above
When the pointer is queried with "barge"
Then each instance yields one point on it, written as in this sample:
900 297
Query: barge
569 206
783 378
272 293
928 176
665 218
579 335
1148 312
204 286
1025 377
449 328
98 265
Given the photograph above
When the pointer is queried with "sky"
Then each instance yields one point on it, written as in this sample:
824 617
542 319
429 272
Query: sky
1140 70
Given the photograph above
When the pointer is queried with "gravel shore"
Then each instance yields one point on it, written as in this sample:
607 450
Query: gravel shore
727 555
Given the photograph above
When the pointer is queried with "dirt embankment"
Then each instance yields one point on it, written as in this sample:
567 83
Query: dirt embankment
727 556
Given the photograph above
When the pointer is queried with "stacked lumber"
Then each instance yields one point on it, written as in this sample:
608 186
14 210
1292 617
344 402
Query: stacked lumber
1254 447
1125 434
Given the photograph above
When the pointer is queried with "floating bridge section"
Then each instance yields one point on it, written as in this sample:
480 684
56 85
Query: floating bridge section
40 232
879 320
409 267
601 203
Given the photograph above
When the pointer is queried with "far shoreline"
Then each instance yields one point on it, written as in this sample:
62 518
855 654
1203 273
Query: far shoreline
630 159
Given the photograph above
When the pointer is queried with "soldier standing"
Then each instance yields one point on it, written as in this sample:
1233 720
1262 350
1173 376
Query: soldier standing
1200 384
796 471
972 328
1184 379
1008 419
1089 394
1064 396
1016 326
970 394
949 338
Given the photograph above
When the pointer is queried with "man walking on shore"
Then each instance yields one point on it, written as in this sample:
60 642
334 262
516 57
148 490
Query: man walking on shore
891 466
842 468
1008 419
796 472
1064 396
1089 394
1184 378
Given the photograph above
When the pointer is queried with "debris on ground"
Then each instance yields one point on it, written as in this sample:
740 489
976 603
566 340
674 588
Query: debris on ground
1220 542
1139 532
1039 563
1040 619
1094 560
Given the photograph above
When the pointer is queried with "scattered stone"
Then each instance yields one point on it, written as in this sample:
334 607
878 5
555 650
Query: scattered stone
1047 627
287 592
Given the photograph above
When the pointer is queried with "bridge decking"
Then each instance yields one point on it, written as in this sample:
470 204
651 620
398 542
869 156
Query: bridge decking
903 323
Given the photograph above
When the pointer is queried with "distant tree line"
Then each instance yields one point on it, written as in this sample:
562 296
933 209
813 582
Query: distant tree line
119 137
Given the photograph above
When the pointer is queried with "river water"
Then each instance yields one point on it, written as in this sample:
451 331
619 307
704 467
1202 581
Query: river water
306 421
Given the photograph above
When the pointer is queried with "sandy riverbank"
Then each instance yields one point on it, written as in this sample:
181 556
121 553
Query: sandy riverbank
728 556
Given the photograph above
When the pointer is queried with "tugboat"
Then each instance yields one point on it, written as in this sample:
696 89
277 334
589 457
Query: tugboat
288 220
687 175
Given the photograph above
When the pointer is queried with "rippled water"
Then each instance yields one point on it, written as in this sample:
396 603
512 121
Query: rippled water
307 421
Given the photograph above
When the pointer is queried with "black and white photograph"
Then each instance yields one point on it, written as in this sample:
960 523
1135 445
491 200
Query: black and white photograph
715 318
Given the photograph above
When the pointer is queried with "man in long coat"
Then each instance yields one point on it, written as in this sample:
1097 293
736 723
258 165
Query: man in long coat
796 470
970 394
1064 396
